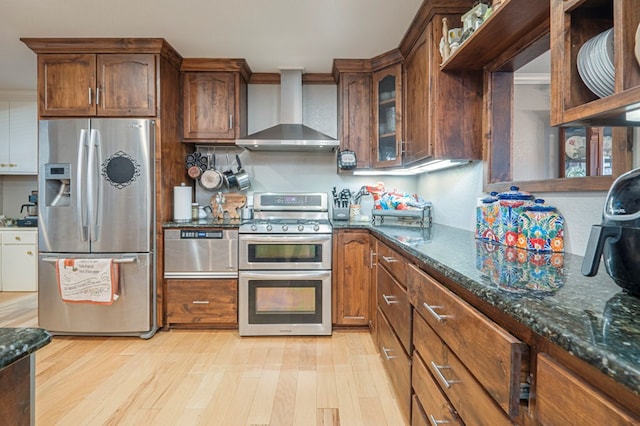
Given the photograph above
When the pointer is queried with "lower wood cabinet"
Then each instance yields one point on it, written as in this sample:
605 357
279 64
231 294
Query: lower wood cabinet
202 303
394 303
493 356
563 398
467 395
396 362
352 263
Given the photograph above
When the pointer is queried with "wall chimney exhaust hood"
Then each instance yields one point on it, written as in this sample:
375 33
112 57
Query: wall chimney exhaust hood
290 134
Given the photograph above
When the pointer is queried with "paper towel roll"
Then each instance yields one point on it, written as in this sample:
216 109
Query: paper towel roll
182 203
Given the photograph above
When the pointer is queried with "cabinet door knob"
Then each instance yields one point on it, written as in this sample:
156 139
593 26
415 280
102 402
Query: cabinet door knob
4 165
29 252
17 237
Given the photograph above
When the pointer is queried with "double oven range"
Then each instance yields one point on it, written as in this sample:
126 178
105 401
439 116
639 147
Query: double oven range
284 266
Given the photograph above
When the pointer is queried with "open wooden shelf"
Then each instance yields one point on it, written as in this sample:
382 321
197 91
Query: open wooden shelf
513 23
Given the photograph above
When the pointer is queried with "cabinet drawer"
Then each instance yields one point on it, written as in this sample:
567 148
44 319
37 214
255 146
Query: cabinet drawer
467 395
202 301
394 262
397 364
563 398
19 237
495 358
418 417
393 300
436 406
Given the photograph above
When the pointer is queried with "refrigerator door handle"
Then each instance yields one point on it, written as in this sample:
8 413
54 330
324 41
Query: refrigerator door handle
94 194
81 171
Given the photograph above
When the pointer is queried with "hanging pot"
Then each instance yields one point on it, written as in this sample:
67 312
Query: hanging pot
211 178
230 179
242 177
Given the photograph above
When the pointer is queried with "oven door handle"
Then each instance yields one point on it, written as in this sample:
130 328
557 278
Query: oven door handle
285 238
285 275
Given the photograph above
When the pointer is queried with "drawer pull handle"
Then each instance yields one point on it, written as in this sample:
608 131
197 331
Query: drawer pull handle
432 311
372 254
200 302
435 422
17 237
386 351
389 299
29 252
389 259
445 382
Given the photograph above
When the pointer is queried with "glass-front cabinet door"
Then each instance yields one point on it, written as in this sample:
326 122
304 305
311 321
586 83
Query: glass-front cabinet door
387 149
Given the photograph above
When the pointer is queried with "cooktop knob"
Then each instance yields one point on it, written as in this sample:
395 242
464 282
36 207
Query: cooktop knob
300 228
316 227
285 228
254 227
269 227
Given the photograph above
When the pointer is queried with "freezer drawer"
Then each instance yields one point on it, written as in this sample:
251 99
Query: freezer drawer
133 313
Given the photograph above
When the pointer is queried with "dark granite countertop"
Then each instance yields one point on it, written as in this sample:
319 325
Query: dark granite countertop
16 343
590 317
203 223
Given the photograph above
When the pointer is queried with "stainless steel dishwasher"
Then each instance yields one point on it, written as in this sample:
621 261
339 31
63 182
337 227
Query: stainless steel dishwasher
200 253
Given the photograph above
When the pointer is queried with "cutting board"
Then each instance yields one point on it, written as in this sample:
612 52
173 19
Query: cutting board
232 203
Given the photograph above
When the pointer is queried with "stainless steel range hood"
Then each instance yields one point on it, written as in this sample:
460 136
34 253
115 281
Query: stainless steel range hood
290 134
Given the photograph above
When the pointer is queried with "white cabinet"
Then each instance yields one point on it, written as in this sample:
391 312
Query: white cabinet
18 137
19 265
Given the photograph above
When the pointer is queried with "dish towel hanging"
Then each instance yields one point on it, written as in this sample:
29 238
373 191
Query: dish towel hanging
88 280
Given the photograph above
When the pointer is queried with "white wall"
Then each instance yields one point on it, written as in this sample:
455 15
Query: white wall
299 171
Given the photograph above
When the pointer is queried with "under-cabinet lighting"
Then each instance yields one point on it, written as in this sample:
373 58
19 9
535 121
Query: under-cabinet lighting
633 115
431 166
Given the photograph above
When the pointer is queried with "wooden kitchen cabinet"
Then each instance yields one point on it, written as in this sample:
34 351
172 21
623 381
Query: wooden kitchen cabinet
355 108
564 398
573 23
103 85
387 116
202 303
19 266
352 262
214 100
497 360
443 110
18 137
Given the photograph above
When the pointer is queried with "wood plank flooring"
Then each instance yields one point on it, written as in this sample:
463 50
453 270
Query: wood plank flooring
185 377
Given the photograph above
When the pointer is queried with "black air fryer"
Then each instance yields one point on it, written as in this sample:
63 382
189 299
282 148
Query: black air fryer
618 237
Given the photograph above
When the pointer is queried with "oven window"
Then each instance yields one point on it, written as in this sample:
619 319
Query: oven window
285 253
285 301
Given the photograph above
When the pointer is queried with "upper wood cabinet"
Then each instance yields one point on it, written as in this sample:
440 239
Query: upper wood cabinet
355 108
574 23
97 85
443 110
103 77
214 100
387 116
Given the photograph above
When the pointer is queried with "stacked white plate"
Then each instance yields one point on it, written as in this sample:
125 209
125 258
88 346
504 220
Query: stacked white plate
595 64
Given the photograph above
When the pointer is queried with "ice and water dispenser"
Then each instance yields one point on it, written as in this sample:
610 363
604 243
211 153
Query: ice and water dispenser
57 189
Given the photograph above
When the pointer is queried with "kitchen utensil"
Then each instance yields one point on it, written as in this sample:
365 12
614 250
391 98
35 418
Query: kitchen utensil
228 204
230 179
242 177
32 209
616 238
194 172
211 178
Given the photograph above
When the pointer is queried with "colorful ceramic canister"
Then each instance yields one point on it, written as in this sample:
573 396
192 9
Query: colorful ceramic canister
487 218
511 204
541 228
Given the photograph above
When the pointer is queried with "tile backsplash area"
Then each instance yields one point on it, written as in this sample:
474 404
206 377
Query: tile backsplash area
14 192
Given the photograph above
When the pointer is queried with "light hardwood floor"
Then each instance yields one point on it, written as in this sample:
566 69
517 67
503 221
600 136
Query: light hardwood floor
207 378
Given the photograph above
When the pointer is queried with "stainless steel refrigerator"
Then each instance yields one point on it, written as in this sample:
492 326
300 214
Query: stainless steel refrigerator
96 187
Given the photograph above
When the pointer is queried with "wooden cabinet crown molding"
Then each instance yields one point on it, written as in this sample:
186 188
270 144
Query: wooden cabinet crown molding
104 45
238 65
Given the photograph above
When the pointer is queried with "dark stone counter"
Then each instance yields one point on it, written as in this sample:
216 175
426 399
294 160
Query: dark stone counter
17 343
591 318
